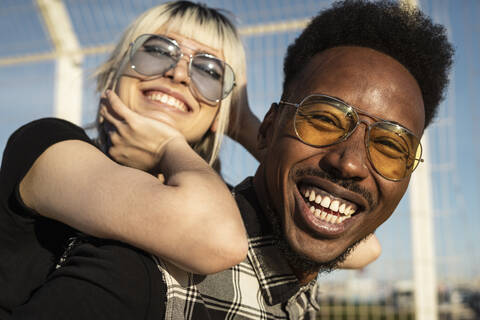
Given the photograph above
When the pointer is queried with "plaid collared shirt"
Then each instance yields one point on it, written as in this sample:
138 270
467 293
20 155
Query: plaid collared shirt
261 287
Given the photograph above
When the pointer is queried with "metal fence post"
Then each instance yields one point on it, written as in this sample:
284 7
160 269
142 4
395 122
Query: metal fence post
69 73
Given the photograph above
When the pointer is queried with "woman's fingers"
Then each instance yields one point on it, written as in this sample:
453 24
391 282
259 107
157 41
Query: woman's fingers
111 119
116 112
119 108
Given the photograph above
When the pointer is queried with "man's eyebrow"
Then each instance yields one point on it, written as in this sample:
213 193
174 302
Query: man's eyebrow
341 100
398 124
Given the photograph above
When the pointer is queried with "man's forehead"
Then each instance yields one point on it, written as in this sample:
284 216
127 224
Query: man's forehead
370 80
349 63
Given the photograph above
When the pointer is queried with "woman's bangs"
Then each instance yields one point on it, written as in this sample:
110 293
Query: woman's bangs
189 26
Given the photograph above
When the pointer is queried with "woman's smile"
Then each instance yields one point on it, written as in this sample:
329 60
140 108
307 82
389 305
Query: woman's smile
164 99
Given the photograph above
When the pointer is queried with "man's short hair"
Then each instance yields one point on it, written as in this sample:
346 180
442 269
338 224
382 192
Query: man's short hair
402 32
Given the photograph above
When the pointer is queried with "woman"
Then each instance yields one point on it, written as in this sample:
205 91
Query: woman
168 88
51 170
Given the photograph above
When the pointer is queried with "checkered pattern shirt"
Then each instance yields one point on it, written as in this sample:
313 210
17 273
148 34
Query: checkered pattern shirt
261 287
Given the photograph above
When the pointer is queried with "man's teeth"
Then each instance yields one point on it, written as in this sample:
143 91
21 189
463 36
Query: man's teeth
341 210
168 100
325 202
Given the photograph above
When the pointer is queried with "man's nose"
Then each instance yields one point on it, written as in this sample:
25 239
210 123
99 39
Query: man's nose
348 159
179 73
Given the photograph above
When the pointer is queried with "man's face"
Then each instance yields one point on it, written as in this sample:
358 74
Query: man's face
372 82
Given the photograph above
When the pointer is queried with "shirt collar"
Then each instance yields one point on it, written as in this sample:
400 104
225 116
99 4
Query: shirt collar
277 281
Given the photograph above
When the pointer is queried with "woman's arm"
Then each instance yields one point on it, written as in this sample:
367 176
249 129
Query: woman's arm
363 254
191 220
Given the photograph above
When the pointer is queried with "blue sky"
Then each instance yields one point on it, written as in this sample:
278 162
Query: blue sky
26 93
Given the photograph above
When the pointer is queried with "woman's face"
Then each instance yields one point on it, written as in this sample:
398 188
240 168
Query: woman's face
170 94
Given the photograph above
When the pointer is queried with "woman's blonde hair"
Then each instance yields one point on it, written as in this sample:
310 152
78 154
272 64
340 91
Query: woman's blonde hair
198 22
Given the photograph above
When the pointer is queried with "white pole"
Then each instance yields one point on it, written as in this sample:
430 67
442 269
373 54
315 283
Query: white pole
422 224
421 210
69 73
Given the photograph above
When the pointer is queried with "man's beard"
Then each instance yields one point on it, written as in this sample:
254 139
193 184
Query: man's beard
302 263
299 261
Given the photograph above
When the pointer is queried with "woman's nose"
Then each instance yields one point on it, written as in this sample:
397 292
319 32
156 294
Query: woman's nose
179 73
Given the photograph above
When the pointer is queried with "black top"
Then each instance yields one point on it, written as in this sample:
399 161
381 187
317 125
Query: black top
29 243
101 279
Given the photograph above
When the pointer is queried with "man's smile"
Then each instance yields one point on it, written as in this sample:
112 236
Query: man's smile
324 218
327 207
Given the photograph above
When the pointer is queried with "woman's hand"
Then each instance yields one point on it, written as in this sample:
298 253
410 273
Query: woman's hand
136 141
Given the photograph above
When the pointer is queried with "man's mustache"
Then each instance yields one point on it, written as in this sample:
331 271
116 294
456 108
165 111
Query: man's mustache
348 184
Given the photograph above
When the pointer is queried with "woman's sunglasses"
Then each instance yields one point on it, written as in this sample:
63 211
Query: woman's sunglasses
153 55
321 120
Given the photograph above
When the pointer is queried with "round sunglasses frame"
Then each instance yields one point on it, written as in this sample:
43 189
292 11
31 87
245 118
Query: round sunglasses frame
338 103
134 46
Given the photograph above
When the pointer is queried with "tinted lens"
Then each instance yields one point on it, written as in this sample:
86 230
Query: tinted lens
213 78
153 55
321 121
393 151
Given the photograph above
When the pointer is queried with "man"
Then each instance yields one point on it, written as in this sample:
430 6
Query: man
361 84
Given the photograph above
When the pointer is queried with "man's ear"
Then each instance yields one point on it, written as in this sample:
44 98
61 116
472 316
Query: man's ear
265 132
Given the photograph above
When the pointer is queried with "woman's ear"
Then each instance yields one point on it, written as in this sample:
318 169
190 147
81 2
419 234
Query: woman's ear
265 132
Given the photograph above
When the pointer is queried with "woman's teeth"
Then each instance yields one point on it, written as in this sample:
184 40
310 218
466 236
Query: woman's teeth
328 209
168 100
